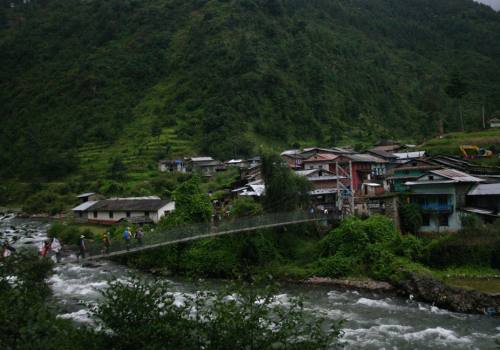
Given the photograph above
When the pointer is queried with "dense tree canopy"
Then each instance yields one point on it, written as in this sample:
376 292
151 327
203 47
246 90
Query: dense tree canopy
230 75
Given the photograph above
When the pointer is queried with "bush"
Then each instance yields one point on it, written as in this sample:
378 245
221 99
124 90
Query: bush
368 246
146 315
410 247
452 251
27 321
245 206
68 234
411 218
336 266
45 202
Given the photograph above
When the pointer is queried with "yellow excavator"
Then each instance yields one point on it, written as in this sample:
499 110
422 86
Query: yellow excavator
478 152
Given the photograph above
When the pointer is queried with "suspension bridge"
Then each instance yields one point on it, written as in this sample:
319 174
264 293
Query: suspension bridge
175 235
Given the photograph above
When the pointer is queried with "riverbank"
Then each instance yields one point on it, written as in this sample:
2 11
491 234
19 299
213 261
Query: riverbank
373 320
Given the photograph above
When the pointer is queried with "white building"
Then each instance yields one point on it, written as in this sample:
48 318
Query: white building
136 210
495 123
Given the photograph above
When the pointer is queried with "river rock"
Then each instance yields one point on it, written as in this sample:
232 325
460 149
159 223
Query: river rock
426 288
352 283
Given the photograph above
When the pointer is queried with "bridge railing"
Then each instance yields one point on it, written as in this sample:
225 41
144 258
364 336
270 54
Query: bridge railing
205 229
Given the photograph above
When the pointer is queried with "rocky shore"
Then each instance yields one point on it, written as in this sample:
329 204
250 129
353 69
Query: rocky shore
357 283
426 288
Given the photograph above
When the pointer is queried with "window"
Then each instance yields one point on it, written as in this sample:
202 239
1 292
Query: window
146 214
443 200
95 214
128 214
443 220
426 220
110 214
431 177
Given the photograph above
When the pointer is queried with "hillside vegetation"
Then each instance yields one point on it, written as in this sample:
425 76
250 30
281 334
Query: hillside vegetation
85 81
449 144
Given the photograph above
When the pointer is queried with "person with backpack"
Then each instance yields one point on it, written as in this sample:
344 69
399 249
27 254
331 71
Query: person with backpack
126 236
106 240
56 247
82 247
139 235
44 248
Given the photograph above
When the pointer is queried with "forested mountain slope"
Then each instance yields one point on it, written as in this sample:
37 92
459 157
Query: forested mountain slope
230 75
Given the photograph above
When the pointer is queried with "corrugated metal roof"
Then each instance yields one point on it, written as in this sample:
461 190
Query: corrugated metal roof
290 152
456 175
367 158
410 155
84 206
485 190
321 157
382 153
88 194
129 204
201 159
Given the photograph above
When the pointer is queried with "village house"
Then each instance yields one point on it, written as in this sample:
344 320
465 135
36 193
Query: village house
319 161
206 166
441 195
293 158
175 165
484 200
365 168
408 171
135 209
86 197
253 189
495 123
324 183
239 163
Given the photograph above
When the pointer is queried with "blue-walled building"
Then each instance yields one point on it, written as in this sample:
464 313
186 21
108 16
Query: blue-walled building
442 194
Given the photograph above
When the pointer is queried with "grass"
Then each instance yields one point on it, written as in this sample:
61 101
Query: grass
485 285
483 279
95 229
449 144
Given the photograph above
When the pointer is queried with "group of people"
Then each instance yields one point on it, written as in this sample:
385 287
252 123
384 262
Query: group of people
51 245
7 249
54 245
138 235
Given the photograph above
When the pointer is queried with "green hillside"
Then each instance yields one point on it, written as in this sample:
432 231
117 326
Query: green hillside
86 81
449 144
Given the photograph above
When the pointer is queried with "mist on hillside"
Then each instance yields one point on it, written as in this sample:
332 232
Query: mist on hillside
493 3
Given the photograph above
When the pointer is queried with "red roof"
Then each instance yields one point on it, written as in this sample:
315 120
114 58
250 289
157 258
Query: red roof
321 157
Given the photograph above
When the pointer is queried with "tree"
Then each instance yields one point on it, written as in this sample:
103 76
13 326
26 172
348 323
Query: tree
117 169
411 218
191 205
156 129
285 191
457 89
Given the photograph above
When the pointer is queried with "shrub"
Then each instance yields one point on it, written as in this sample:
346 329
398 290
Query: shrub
245 206
27 321
146 315
454 251
336 266
410 217
367 245
410 247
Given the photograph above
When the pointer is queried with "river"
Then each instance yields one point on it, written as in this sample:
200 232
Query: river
372 321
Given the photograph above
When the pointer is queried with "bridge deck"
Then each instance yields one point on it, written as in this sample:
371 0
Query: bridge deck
197 237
